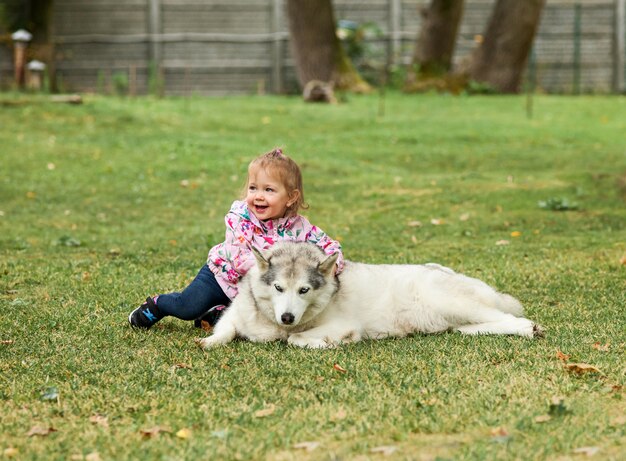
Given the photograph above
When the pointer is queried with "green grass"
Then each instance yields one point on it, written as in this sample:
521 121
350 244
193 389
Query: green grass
94 217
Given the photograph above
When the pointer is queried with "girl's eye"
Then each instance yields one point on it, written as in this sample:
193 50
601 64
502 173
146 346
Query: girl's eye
269 189
251 188
303 290
278 288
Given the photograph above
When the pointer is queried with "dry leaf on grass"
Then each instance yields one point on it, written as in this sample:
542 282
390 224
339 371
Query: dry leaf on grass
384 449
42 431
269 410
414 224
7 341
11 452
99 420
181 365
94 456
184 433
339 368
588 451
581 368
502 242
341 414
542 419
308 446
154 431
601 347
561 356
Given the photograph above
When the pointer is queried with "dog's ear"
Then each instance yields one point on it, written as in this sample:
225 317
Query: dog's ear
263 263
327 267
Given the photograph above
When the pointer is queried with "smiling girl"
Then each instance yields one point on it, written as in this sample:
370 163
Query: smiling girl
267 214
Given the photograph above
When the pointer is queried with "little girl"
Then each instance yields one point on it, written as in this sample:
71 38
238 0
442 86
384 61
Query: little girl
268 213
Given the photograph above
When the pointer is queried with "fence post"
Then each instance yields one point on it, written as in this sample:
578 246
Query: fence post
619 49
154 32
276 82
395 38
577 38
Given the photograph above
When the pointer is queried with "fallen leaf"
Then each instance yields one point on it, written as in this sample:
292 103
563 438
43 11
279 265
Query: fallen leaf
154 431
499 432
99 420
341 414
502 242
51 166
419 224
265 411
619 421
581 368
339 368
94 456
515 234
436 221
184 183
561 356
464 217
11 452
588 451
181 365
413 239
206 326
384 449
542 419
42 431
622 260
602 347
184 434
7 341
308 446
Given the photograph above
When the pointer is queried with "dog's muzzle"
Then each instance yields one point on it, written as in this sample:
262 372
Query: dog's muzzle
287 318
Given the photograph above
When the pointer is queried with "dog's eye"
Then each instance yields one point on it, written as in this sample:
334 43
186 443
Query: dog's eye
278 288
303 290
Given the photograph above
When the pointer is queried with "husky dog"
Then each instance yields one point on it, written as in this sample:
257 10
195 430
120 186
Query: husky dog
293 294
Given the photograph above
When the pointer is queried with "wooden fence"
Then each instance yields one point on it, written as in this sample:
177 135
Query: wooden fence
218 47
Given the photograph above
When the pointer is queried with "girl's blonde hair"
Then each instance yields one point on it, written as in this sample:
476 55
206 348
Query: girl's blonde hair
286 170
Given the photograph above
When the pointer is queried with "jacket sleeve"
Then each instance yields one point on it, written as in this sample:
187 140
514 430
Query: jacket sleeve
235 254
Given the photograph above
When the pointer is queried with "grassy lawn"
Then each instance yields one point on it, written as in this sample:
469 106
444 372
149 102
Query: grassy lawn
105 203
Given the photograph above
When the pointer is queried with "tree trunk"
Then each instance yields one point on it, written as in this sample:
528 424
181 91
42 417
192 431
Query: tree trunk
317 52
500 59
438 35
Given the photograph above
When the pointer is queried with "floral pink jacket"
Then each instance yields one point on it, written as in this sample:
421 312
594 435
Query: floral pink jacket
233 258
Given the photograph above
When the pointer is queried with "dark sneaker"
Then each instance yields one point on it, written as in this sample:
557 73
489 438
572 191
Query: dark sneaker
211 317
145 315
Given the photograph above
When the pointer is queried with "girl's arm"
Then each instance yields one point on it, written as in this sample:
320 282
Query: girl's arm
234 255
317 236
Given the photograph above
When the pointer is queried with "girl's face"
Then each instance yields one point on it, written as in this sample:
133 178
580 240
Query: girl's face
267 196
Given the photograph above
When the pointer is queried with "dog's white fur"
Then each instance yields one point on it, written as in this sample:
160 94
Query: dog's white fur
292 294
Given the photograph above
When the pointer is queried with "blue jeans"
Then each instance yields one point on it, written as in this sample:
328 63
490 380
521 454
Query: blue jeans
203 298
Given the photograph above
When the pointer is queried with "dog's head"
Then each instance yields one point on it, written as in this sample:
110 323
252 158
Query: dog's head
296 281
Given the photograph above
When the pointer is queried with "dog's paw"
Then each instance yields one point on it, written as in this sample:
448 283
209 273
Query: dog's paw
538 331
301 340
210 342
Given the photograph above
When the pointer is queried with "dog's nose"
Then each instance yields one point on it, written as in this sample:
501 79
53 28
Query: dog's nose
287 318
